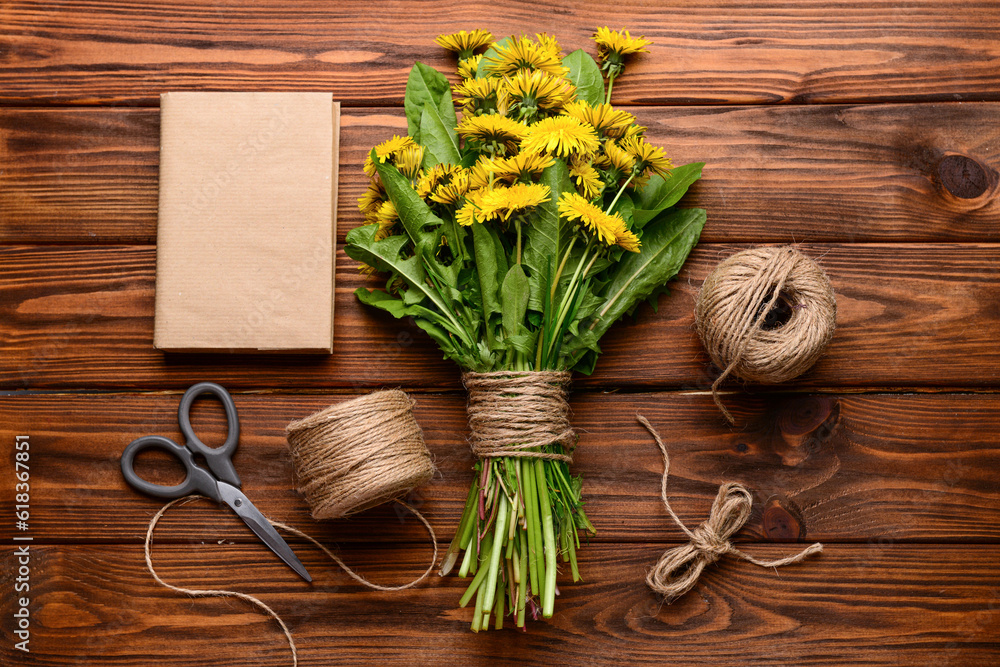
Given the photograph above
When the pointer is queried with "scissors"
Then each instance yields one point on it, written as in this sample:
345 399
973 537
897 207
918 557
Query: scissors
222 484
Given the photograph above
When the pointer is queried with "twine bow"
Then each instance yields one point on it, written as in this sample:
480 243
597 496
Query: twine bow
678 569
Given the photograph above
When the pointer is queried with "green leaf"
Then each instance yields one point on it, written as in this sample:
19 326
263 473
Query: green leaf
427 85
660 193
439 144
485 246
419 221
548 235
385 254
586 76
514 300
432 323
666 243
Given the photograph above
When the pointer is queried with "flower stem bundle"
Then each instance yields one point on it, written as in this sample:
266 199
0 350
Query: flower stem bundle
515 237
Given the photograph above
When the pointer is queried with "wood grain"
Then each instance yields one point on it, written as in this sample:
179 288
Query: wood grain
864 130
908 315
721 51
880 604
840 468
911 172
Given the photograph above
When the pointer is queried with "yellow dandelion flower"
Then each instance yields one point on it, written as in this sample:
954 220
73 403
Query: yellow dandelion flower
550 44
369 167
633 131
451 193
503 202
528 91
614 45
608 121
390 147
386 219
615 159
588 181
371 200
648 156
484 172
465 43
522 165
488 171
523 53
493 129
467 67
469 213
604 227
409 159
627 240
561 135
477 95
439 173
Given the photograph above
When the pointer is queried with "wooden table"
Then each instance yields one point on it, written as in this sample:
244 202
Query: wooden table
865 132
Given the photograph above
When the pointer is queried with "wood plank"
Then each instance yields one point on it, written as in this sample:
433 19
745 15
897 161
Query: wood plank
883 604
909 315
840 468
723 51
784 174
69 175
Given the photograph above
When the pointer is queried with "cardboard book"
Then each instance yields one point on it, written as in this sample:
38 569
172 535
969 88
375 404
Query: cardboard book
247 222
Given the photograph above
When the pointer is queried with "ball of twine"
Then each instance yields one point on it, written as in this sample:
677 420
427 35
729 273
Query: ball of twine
358 454
765 315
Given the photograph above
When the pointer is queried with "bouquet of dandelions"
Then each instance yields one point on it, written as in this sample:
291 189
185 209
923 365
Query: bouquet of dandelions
515 238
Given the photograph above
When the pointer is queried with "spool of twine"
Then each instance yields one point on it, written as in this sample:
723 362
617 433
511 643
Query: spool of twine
512 413
358 454
765 315
349 457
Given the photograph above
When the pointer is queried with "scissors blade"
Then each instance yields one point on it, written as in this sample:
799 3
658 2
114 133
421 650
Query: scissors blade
259 525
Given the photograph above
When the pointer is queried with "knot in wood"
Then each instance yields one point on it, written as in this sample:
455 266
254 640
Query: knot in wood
963 177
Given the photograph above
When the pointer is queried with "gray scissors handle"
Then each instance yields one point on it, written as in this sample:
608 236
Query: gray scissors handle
219 458
197 480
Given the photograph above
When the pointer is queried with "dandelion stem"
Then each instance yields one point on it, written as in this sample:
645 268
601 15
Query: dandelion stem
522 586
499 532
624 185
517 224
562 265
549 586
570 295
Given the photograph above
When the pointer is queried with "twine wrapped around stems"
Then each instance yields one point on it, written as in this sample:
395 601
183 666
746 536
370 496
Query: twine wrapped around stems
678 569
513 412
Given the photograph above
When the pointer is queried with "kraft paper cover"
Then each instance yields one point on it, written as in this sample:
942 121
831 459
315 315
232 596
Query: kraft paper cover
247 222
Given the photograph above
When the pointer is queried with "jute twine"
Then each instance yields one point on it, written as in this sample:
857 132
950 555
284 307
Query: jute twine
732 308
358 454
678 569
513 412
196 592
349 457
